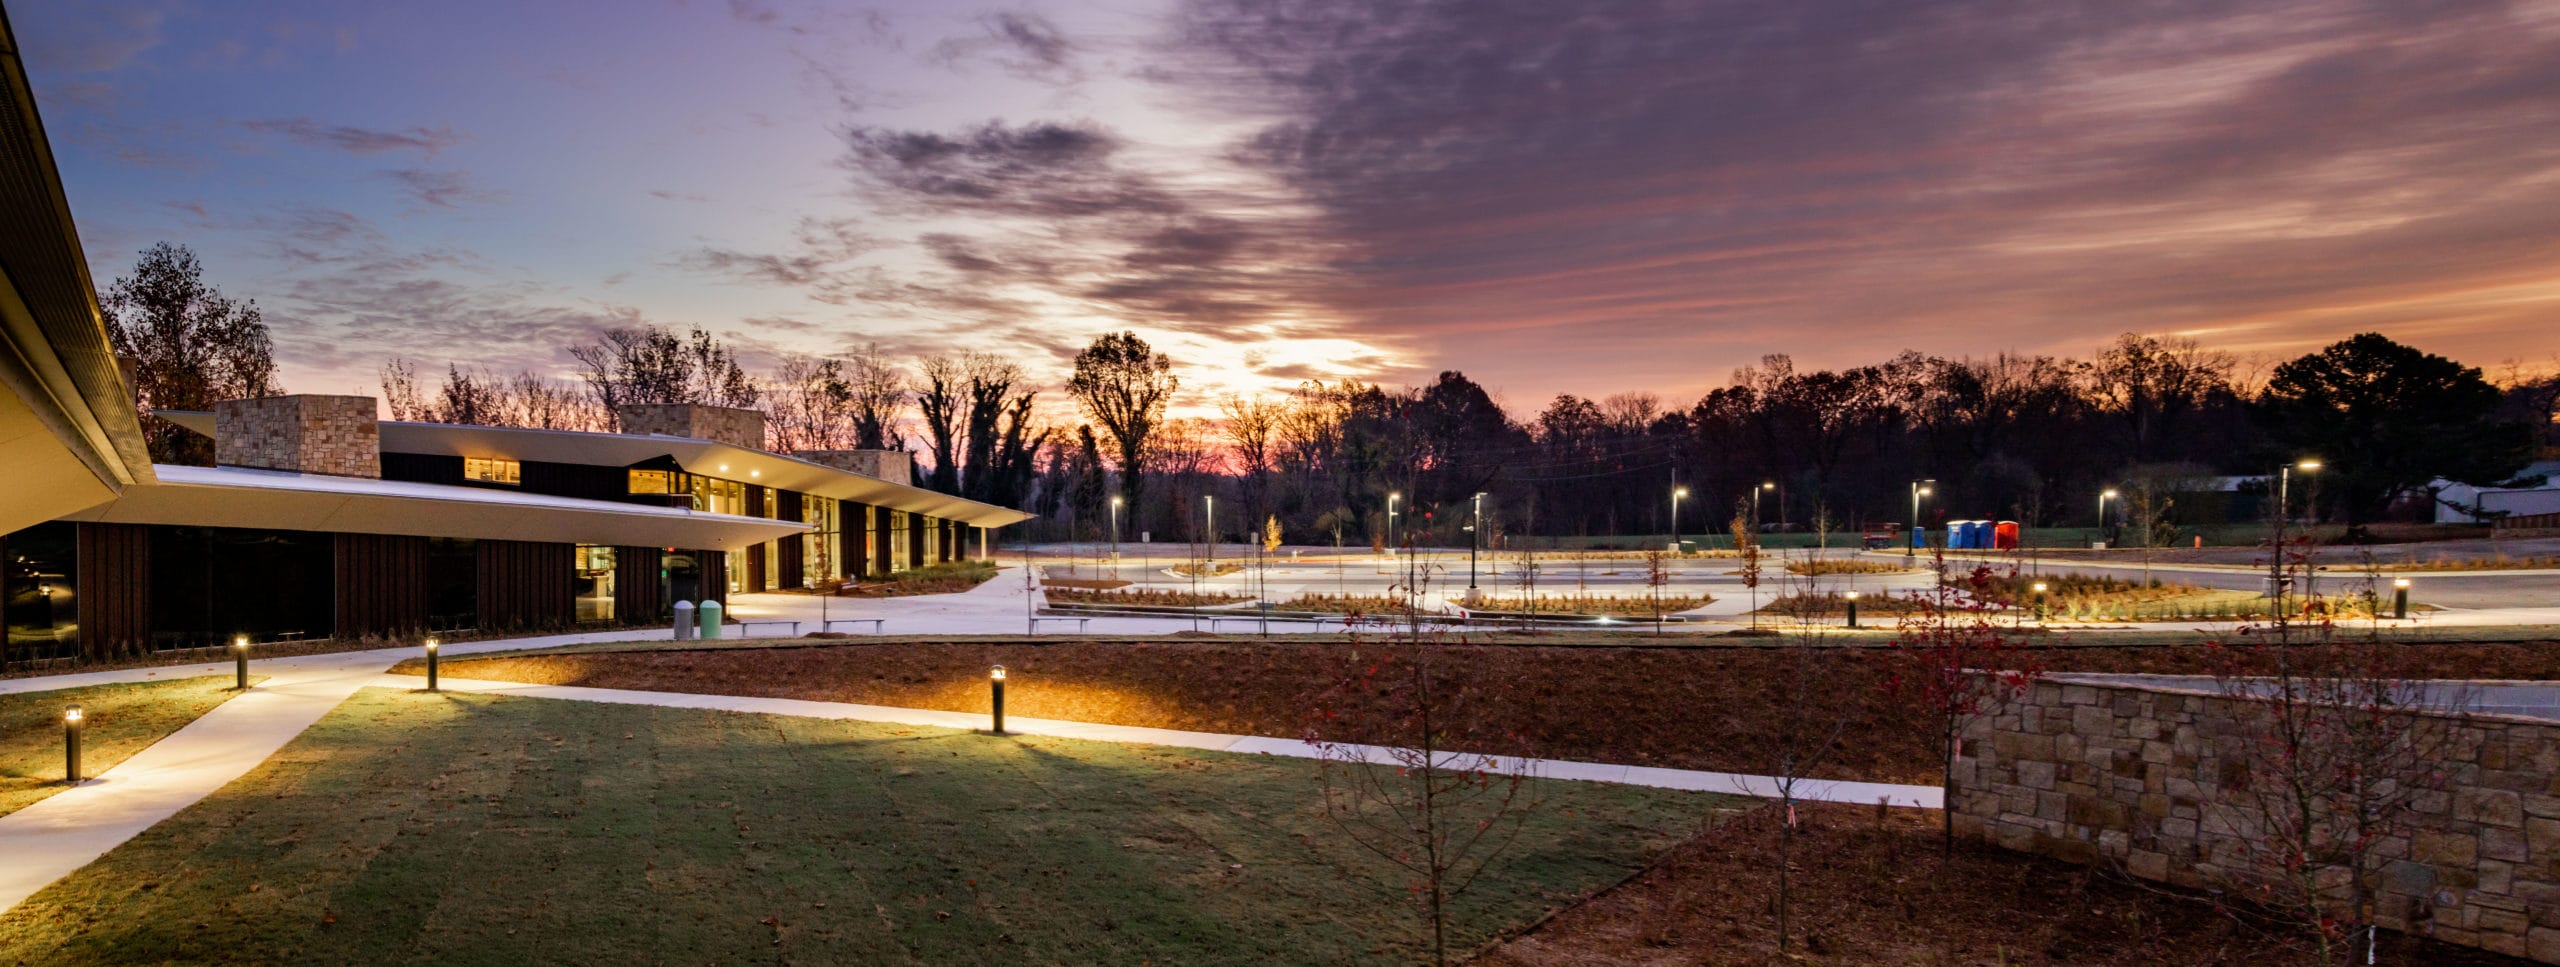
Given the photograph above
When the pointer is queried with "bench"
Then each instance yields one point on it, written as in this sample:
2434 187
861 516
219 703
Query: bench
747 628
1035 623
831 623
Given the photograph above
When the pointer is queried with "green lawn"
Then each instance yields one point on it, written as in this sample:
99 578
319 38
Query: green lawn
408 828
120 721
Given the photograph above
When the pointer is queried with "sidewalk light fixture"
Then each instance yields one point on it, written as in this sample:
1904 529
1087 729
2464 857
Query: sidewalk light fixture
2399 598
240 662
1853 608
71 725
995 686
2040 589
431 664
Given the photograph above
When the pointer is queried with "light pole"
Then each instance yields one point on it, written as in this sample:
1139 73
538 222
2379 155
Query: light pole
1115 537
1919 489
1209 521
1474 534
2284 511
2103 496
1755 504
1391 523
1676 494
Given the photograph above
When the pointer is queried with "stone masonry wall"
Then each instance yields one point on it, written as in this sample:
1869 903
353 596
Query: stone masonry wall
720 424
890 465
336 435
2146 778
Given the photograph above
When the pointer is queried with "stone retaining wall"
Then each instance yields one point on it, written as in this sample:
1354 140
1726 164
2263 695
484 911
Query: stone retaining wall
2147 779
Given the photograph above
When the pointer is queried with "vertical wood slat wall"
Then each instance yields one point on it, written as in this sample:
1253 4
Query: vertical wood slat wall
382 585
888 553
715 575
114 583
854 526
790 564
639 593
525 584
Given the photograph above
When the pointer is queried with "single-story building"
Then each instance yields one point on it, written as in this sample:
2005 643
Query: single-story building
321 521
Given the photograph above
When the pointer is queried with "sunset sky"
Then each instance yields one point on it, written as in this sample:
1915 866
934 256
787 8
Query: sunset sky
1551 196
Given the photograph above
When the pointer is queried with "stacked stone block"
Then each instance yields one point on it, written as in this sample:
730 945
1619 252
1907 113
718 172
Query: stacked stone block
893 466
335 435
736 427
2149 779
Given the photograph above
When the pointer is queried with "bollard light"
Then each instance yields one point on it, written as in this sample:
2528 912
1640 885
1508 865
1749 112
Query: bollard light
995 683
240 662
2039 601
71 722
1853 608
431 664
2399 598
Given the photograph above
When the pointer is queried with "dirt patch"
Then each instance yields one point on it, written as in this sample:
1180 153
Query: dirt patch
1689 708
1869 888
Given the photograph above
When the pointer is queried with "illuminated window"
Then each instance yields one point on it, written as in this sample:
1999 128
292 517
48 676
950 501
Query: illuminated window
650 482
492 470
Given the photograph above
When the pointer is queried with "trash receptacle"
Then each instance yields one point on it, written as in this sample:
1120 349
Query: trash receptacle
684 620
710 615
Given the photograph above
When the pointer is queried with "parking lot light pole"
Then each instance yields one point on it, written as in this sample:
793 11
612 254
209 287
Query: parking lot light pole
1755 504
1919 489
1474 534
2284 512
1209 520
1676 494
1392 496
1115 537
2103 497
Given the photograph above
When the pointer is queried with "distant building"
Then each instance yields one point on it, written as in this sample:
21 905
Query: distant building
2461 503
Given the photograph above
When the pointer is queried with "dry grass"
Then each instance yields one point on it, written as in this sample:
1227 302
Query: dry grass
1611 605
1086 584
1842 565
1363 604
120 720
2080 597
1206 569
1799 604
2498 562
1151 597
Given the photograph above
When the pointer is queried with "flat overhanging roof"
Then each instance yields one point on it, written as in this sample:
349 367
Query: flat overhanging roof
696 456
68 435
277 500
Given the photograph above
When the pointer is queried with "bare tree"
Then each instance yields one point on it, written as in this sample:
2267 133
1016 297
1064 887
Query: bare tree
879 400
1395 777
939 391
810 404
651 364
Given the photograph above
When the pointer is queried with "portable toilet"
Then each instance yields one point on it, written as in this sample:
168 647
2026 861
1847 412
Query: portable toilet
1971 531
2006 537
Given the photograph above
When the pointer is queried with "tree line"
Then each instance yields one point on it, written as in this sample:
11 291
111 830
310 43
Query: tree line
2027 437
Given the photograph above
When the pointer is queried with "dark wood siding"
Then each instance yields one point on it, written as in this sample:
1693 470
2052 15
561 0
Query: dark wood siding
382 586
431 468
527 585
581 481
715 574
115 589
754 578
639 594
755 500
790 505
849 540
888 553
793 561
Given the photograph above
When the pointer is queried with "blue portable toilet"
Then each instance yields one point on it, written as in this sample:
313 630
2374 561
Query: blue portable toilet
1965 533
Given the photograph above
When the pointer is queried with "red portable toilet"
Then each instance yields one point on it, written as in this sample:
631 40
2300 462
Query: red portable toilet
2006 536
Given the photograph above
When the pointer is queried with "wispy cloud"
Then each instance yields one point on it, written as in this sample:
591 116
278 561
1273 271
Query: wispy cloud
1024 45
442 189
355 140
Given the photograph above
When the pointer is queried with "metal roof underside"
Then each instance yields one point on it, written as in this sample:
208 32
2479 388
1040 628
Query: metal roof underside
702 457
276 500
68 433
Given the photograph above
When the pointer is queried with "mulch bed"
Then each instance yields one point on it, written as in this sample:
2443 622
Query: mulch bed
1868 887
1700 708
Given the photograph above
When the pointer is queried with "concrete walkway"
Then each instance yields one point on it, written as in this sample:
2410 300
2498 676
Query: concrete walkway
1818 790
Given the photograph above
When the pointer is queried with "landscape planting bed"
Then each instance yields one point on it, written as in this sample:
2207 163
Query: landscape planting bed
1691 708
